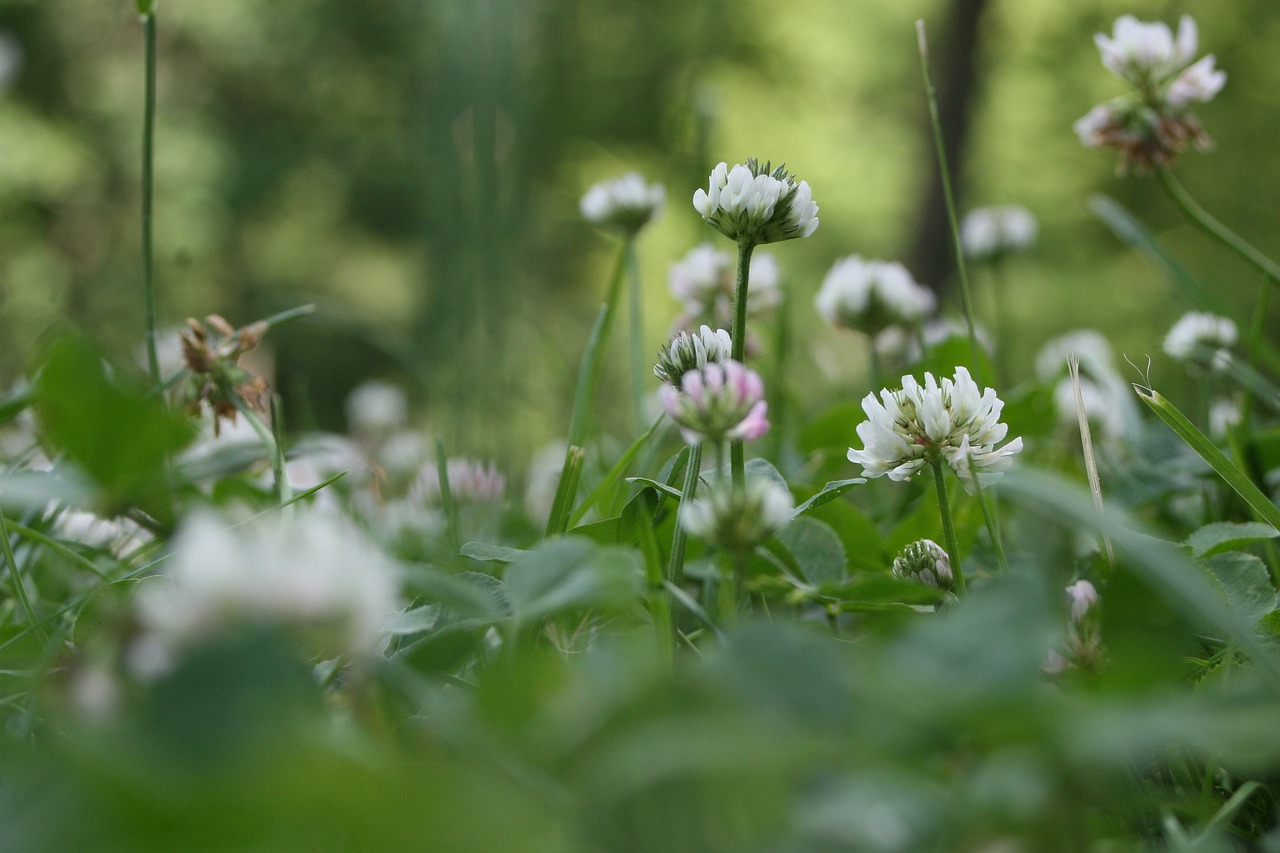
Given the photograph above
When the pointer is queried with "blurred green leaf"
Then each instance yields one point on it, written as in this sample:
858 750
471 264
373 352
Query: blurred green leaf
829 492
469 594
1244 580
489 553
817 550
571 573
1222 536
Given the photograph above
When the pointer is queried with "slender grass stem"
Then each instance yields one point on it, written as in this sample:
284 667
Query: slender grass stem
453 529
989 518
1215 229
737 451
148 185
19 588
275 450
637 336
675 573
948 527
944 173
592 367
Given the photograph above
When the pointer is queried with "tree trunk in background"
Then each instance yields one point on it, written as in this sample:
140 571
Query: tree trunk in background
953 62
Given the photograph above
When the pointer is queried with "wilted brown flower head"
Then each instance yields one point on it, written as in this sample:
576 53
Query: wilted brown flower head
211 349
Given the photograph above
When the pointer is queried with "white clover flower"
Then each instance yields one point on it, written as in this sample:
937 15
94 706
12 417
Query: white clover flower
1088 345
470 481
1140 52
376 407
311 572
871 296
703 281
987 232
720 402
1197 83
1224 416
1100 408
627 203
1095 128
1202 338
925 561
692 351
1084 596
118 535
752 205
950 422
738 520
403 452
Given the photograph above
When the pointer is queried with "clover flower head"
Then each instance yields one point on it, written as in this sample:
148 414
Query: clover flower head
376 407
989 232
925 561
1153 124
948 421
752 204
719 402
1202 338
627 203
1084 597
703 282
738 520
470 481
871 296
688 351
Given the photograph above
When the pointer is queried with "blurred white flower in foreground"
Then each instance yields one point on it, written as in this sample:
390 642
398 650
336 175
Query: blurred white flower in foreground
627 203
751 204
310 572
1202 338
1084 597
949 422
703 281
871 296
738 520
989 232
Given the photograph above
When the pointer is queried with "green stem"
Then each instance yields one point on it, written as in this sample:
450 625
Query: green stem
675 574
948 528
453 529
19 588
944 173
592 367
727 590
989 518
873 364
275 451
1215 229
637 336
737 452
148 184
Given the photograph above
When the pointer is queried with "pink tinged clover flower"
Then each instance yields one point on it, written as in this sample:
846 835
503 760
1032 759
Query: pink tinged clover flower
717 403
751 204
949 422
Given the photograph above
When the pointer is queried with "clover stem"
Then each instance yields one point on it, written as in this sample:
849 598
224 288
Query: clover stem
737 452
948 528
675 574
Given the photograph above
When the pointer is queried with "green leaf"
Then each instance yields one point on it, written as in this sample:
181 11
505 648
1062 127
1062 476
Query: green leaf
817 550
571 573
120 439
446 649
415 620
879 591
831 491
469 594
862 541
1222 536
614 476
670 491
488 553
1244 580
837 427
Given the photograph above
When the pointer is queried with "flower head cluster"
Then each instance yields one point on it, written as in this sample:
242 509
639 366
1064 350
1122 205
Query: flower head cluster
717 403
688 351
751 204
470 481
376 407
1202 338
935 422
211 350
738 520
1154 123
703 281
925 561
990 232
311 573
626 203
871 296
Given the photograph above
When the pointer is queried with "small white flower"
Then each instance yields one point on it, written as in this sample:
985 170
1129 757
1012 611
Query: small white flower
627 203
1141 52
1224 415
1096 127
310 571
751 204
717 403
1202 338
1197 83
376 407
692 351
738 520
871 296
703 281
1084 596
470 481
925 561
950 422
990 231
1088 345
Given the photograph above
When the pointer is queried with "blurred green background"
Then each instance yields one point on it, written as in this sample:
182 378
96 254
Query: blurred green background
415 167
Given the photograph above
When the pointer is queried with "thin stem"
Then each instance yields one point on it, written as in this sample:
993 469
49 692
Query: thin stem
592 366
148 184
274 451
452 528
874 369
989 518
737 452
999 327
637 336
1215 229
944 172
948 528
675 574
19 588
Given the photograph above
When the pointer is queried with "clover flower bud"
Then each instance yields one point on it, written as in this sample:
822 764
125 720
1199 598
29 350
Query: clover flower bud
688 351
738 520
626 203
1202 338
989 232
949 422
871 296
925 561
751 204
717 403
